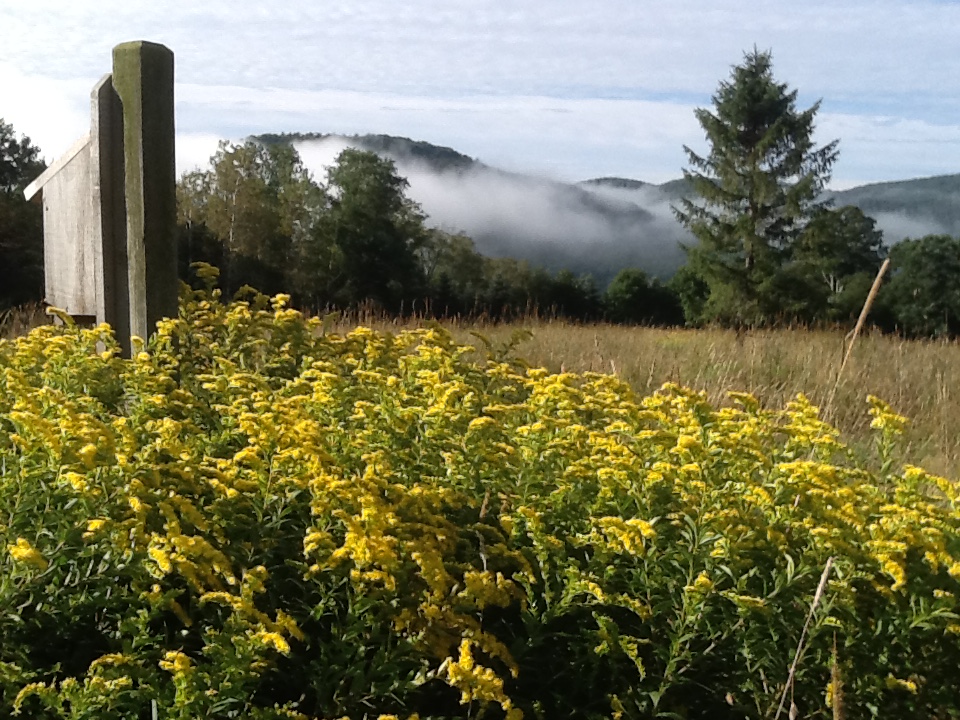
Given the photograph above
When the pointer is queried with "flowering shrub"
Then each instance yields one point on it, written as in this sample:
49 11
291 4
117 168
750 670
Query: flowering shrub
255 519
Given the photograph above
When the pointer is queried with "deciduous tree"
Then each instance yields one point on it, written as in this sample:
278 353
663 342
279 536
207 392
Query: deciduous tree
923 295
21 223
375 228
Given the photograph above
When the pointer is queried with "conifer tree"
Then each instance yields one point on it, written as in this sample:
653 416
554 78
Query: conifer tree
754 192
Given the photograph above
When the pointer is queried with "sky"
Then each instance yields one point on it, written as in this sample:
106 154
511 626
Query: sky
564 89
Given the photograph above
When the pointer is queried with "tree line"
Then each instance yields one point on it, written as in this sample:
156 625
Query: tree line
357 239
769 250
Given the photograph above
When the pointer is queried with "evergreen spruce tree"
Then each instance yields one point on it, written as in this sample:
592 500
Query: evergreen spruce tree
753 193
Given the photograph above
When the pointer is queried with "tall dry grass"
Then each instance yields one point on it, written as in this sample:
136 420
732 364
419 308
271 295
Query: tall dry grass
920 378
20 321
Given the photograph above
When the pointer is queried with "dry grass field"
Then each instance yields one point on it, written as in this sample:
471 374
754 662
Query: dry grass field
920 379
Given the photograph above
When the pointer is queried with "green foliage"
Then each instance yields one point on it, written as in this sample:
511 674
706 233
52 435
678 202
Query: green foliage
754 192
375 229
21 223
514 289
922 297
251 518
835 261
357 240
251 214
633 298
454 271
20 161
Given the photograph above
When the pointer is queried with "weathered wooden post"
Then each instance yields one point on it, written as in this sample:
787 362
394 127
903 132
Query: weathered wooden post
143 79
109 205
110 282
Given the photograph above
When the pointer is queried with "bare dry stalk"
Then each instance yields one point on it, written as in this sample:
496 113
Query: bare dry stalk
803 636
871 296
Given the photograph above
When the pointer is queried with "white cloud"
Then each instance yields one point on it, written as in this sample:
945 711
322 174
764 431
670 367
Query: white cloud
569 89
194 151
53 113
874 148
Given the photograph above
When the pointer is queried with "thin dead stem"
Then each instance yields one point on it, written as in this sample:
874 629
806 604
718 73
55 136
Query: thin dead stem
868 303
788 686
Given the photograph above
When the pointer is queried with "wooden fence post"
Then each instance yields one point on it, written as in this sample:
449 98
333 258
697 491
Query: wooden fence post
143 79
106 148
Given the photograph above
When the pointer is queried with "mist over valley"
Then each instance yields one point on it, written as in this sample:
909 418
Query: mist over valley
597 226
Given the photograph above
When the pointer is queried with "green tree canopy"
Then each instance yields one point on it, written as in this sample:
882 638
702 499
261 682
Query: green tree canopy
922 297
376 230
756 189
21 223
634 298
835 261
20 161
251 213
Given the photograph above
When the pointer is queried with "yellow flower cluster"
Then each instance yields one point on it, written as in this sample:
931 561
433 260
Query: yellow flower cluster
264 495
477 683
22 551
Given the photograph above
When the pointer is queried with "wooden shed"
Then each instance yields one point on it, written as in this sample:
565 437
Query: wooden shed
72 232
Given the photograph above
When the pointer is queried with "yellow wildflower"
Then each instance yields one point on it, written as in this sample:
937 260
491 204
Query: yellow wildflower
894 683
884 418
88 455
93 527
475 682
274 640
176 662
111 659
702 585
22 551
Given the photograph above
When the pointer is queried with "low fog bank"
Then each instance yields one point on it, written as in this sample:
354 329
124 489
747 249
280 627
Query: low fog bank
899 226
548 223
602 226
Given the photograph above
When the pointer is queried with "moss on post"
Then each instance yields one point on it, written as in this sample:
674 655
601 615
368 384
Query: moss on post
143 79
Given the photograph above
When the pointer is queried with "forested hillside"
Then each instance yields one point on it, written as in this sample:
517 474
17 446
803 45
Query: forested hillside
548 223
601 225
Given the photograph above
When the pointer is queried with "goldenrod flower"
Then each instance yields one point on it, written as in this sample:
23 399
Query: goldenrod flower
177 663
274 640
93 527
22 551
894 683
161 558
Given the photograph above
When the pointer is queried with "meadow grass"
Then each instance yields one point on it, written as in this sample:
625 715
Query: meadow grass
919 378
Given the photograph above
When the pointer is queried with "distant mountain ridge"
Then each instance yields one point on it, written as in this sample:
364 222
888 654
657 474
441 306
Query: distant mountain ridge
439 157
934 199
601 225
931 200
